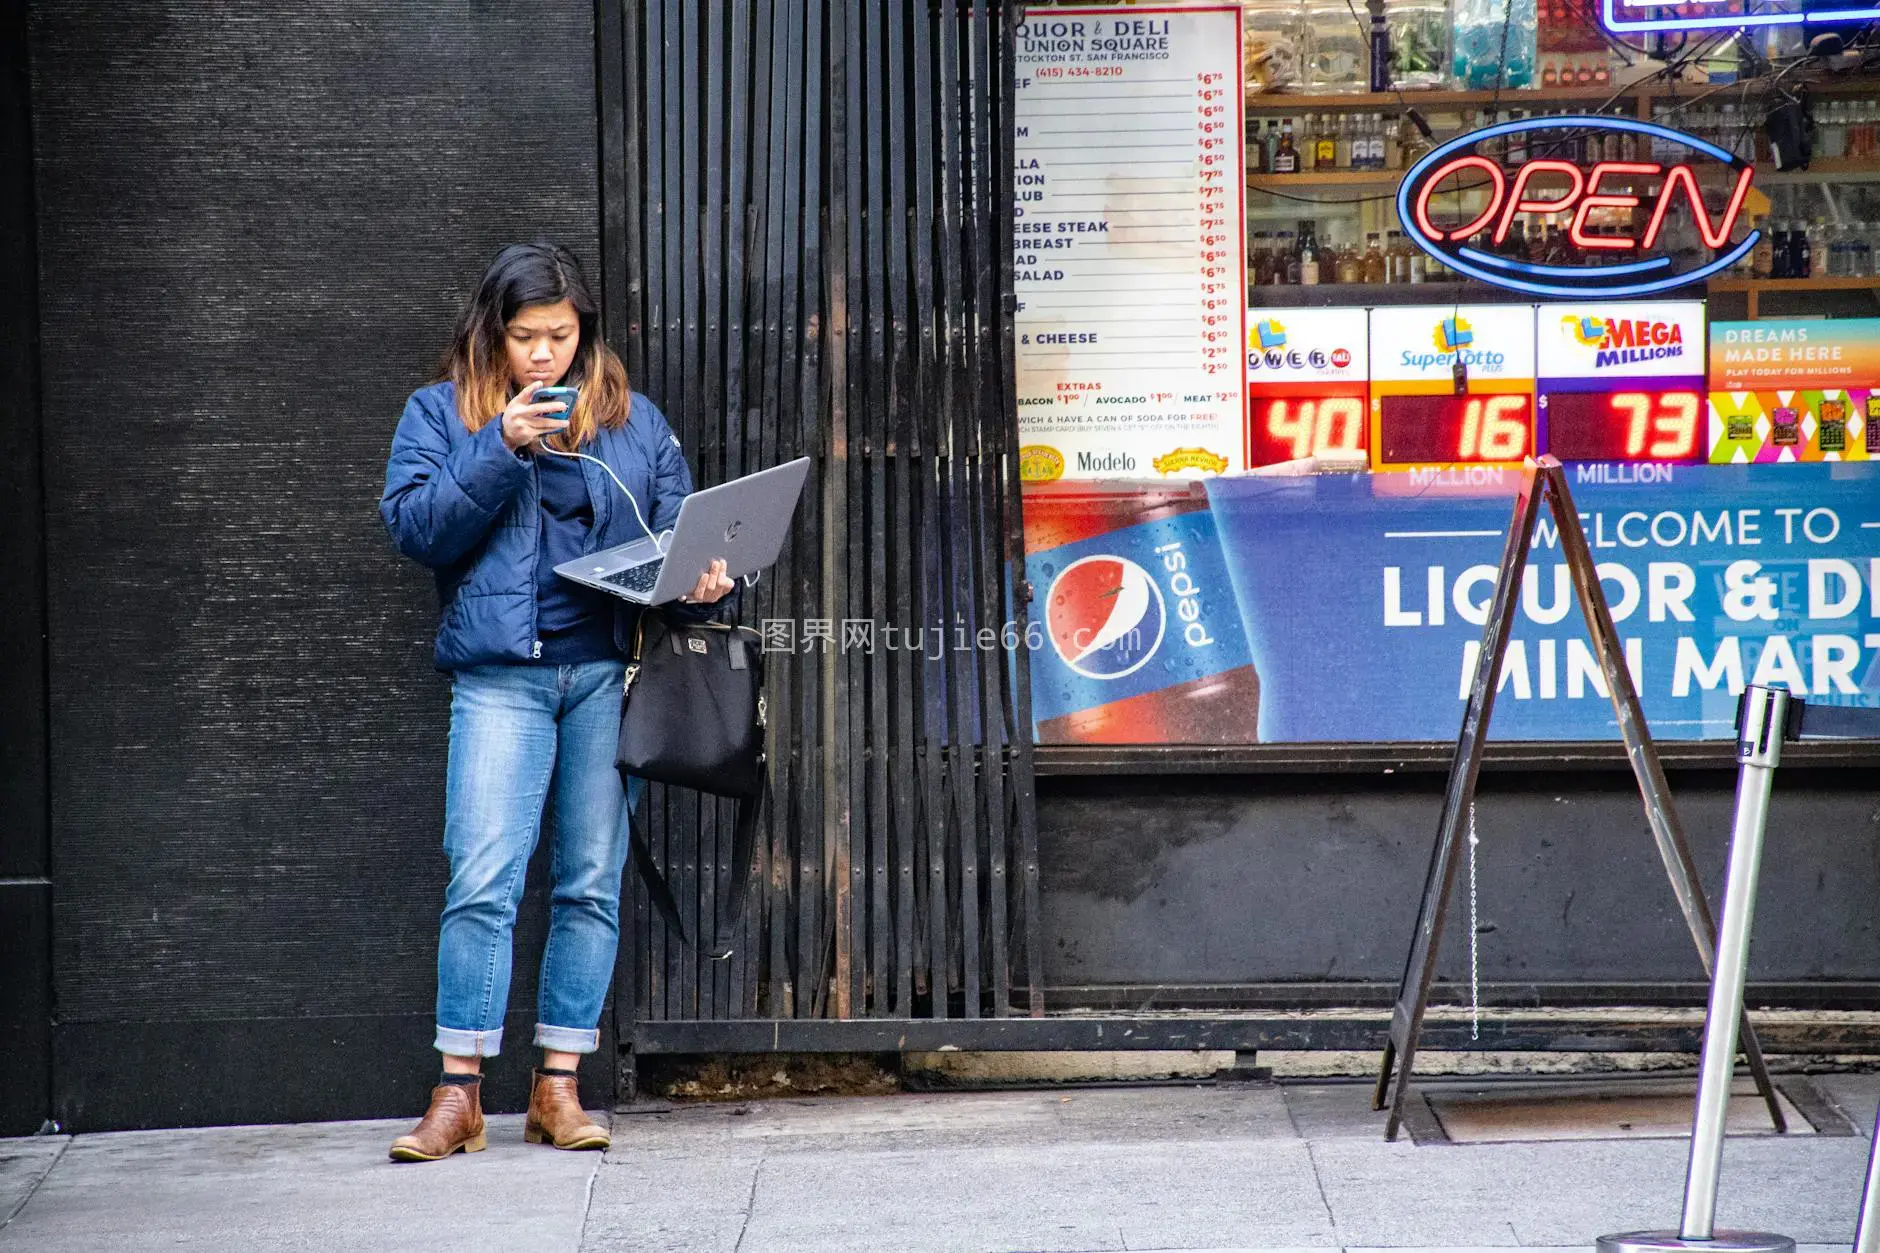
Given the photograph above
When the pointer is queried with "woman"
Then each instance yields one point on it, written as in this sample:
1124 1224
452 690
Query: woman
492 490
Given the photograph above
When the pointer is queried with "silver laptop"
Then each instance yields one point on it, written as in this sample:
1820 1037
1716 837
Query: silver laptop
743 521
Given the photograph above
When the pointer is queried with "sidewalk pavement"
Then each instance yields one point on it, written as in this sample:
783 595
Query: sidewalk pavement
1256 1167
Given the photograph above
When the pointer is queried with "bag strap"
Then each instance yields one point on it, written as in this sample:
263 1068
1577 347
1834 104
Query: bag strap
743 877
657 889
743 846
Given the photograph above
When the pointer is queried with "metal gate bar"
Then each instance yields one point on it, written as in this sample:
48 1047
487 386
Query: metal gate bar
805 252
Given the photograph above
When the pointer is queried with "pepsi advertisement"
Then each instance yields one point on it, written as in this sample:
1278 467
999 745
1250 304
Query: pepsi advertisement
1351 607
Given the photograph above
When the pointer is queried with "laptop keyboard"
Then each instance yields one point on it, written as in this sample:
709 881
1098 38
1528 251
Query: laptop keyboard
640 578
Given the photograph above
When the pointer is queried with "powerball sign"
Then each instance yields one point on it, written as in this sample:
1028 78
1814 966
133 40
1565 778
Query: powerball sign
1128 245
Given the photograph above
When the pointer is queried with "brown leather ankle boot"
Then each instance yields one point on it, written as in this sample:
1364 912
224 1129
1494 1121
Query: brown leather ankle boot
556 1116
454 1121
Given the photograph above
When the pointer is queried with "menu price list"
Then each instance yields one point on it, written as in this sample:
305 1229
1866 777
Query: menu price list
1129 248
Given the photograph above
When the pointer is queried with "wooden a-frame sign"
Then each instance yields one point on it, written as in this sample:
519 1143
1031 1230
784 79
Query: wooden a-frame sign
1544 479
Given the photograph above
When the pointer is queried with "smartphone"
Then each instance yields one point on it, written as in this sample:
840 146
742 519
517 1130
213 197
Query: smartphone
566 395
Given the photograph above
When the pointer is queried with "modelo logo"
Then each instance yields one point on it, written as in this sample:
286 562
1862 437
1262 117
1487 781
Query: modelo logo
1612 266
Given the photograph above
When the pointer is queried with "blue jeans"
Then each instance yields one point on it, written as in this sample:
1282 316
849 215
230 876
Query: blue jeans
516 734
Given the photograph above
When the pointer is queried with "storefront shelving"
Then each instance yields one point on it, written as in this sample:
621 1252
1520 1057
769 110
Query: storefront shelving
1641 93
1756 288
1838 167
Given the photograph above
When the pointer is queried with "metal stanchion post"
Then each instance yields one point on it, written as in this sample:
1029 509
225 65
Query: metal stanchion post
1867 1230
1760 726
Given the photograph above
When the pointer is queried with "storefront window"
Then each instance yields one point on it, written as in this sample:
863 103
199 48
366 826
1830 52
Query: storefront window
1528 241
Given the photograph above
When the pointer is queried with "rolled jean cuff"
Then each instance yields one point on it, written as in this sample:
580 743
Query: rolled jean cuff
459 1043
567 1039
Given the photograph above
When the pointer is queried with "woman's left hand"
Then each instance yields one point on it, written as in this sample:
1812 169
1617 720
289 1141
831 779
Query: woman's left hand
712 586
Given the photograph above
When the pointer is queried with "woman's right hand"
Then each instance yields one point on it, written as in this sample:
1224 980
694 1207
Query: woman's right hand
524 423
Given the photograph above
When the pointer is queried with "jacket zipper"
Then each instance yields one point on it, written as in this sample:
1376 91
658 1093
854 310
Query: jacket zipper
535 560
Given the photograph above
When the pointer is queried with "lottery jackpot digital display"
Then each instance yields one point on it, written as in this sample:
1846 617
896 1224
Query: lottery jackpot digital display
1420 417
1623 382
1306 383
1454 430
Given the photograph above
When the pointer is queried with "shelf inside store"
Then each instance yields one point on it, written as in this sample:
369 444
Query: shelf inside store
1301 102
1824 283
1821 169
1372 295
1346 295
1651 86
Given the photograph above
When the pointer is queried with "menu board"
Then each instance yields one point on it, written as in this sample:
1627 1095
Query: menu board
1130 254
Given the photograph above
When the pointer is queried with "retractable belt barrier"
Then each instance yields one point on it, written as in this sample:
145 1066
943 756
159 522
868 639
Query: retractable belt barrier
1766 718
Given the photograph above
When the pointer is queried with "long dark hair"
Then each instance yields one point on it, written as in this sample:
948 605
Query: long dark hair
477 361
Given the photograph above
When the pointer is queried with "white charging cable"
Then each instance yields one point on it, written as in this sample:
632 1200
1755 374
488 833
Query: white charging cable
750 580
541 442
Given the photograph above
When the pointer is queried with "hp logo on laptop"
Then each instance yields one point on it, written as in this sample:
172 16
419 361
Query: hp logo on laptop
731 532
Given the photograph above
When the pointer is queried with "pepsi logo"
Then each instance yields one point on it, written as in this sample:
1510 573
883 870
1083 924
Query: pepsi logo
1105 616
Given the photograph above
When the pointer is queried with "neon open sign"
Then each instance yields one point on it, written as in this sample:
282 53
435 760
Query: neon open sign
1614 264
1637 15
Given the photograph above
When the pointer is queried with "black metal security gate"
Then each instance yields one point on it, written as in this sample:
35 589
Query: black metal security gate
804 255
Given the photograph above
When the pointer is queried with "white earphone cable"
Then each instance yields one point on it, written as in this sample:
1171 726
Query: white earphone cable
542 444
659 541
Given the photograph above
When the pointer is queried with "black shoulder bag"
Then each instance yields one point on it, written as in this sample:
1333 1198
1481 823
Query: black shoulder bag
693 717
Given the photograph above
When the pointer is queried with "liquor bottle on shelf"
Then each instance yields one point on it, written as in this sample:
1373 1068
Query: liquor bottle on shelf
1762 258
1342 142
1350 264
1289 257
1730 129
1397 259
1537 243
1820 249
1801 262
1379 46
1260 260
1517 149
1256 149
1556 251
1515 246
1286 159
1272 144
1779 241
1325 143
1374 267
1282 249
1410 143
1308 255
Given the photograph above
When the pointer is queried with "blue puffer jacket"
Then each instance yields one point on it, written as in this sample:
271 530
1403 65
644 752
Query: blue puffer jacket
470 509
